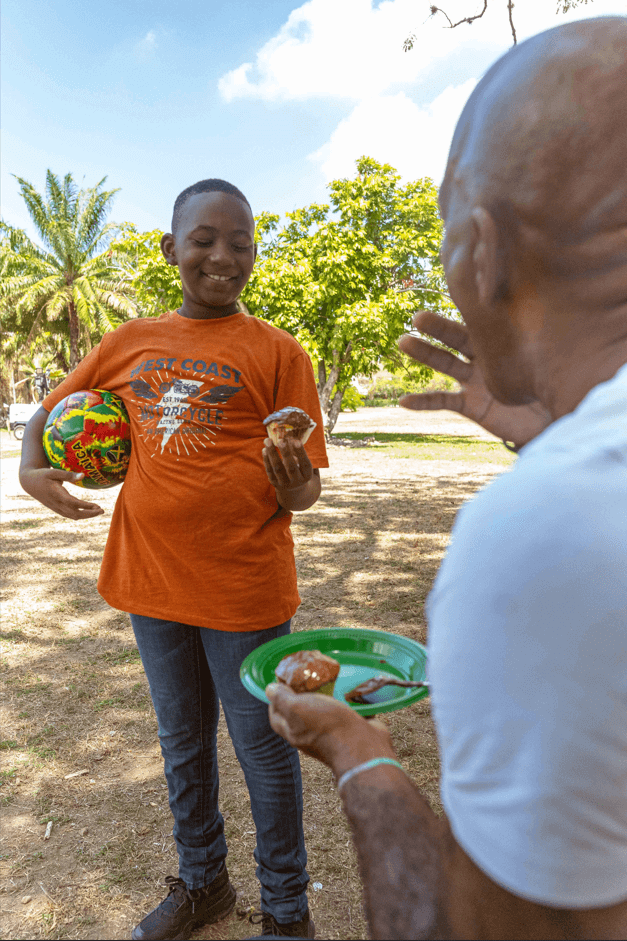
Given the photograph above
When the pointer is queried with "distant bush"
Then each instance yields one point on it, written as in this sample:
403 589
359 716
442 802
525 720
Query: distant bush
380 403
393 388
352 400
387 391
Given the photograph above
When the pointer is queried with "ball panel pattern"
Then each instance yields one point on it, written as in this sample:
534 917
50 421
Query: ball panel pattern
89 432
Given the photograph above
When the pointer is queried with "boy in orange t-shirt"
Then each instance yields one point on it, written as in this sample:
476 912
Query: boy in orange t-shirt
200 551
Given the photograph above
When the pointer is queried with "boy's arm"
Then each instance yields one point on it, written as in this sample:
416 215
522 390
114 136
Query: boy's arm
290 472
43 482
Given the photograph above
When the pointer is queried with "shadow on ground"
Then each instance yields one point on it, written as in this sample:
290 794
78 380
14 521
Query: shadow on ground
80 743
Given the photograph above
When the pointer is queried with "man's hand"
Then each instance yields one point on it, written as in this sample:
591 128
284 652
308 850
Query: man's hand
519 424
326 729
46 485
291 474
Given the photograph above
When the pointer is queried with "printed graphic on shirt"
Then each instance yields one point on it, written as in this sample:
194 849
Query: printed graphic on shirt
180 413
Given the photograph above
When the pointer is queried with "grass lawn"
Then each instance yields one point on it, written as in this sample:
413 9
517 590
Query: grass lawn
437 447
79 747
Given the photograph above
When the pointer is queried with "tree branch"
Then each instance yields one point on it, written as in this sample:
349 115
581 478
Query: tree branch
426 288
510 7
409 42
467 19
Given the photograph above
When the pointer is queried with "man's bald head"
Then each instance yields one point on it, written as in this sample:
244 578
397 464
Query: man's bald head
535 204
542 141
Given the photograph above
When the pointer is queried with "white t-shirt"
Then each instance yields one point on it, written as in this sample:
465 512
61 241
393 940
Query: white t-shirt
528 664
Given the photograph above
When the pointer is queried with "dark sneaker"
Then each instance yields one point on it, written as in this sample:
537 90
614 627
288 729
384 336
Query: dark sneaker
185 909
270 927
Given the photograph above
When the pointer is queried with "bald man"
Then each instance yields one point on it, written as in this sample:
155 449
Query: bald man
528 616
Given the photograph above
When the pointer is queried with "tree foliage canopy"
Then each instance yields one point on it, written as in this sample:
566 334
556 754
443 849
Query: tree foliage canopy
73 288
342 277
156 285
334 275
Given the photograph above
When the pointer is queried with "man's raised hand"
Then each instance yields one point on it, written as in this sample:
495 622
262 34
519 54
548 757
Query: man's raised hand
517 423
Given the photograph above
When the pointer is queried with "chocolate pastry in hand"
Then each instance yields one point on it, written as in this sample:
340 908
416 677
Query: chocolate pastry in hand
289 422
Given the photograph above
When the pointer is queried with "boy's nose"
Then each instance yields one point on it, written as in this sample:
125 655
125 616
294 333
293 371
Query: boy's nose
220 253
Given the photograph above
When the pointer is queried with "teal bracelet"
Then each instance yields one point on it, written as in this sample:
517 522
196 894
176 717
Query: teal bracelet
366 766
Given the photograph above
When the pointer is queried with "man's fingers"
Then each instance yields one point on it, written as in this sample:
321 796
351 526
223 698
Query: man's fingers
449 332
433 401
439 359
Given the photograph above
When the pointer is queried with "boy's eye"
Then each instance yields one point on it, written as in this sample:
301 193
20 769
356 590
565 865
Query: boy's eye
198 242
242 248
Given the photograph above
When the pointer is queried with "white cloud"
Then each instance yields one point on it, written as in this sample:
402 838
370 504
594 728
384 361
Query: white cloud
353 48
147 45
393 129
336 49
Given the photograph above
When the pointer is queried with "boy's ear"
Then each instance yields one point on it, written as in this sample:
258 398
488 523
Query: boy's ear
167 248
255 253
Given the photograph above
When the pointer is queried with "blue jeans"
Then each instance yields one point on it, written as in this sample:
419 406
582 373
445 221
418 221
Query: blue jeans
190 670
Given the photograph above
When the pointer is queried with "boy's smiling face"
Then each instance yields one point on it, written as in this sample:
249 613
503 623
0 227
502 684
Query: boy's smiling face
214 250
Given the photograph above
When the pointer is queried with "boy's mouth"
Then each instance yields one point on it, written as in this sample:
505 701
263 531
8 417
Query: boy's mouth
220 277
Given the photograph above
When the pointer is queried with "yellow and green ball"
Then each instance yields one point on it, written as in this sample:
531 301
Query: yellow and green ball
88 432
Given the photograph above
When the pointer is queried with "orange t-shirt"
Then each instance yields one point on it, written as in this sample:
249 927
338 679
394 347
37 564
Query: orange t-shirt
191 537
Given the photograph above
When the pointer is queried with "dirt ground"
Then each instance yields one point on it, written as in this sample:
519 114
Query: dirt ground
79 750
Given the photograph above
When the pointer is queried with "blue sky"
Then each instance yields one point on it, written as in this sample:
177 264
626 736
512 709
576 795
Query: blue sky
277 97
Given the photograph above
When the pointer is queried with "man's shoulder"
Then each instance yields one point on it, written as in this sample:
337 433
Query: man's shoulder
560 515
575 471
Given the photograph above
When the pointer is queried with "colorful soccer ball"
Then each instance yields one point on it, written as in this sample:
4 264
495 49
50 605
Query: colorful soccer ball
89 432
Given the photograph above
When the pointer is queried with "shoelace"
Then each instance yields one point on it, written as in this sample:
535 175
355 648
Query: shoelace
176 887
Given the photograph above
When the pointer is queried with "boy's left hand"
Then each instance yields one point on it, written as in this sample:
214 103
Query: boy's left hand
288 466
289 470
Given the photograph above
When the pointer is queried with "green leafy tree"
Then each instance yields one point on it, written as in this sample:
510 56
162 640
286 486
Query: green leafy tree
344 277
563 6
73 286
156 284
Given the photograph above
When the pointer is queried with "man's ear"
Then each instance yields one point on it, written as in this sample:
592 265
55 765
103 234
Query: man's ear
485 255
167 248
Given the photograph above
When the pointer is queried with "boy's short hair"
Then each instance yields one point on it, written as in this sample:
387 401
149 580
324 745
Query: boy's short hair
203 186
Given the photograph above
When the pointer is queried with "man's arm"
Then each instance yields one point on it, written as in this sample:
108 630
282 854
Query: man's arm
43 482
418 882
398 840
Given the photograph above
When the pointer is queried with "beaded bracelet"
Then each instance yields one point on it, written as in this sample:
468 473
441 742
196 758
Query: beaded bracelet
366 766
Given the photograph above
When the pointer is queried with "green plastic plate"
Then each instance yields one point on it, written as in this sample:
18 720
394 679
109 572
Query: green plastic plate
361 654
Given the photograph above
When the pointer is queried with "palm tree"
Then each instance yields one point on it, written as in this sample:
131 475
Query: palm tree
73 287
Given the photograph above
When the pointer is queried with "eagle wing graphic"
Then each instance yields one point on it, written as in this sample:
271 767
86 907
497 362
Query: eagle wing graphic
220 394
142 390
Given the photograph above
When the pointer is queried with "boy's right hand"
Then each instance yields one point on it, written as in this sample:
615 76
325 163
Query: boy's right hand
45 484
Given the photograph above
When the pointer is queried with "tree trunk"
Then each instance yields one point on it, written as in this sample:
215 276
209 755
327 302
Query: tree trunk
73 335
334 411
327 379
